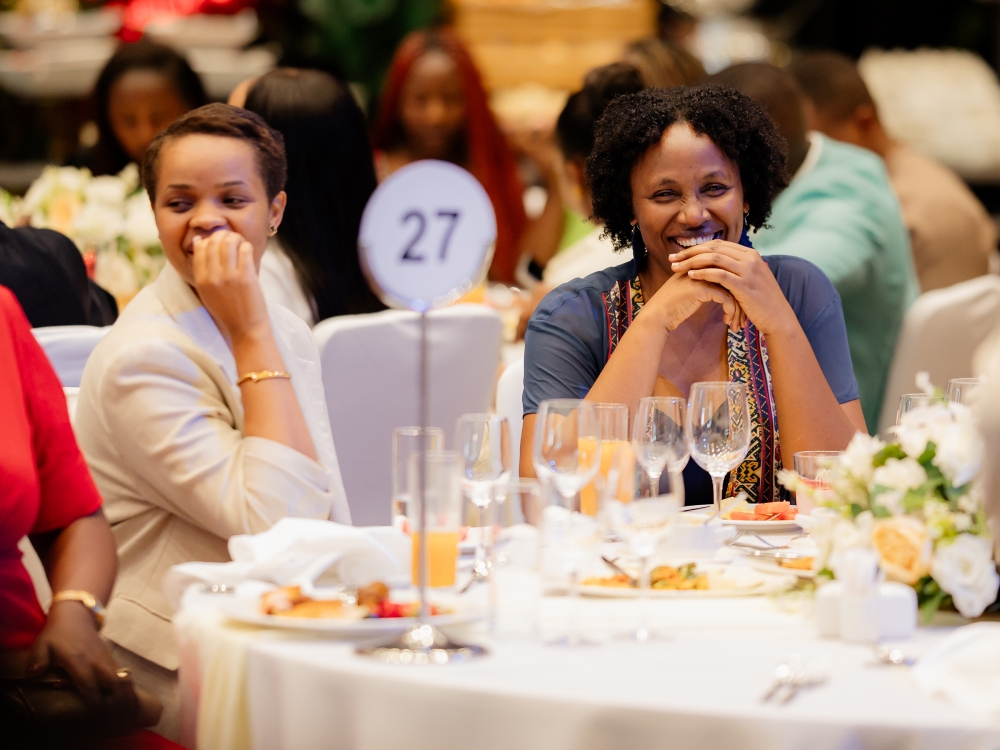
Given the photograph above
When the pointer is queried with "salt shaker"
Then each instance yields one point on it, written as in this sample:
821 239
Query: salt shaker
859 597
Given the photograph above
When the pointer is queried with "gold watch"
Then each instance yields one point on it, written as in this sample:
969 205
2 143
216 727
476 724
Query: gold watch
85 598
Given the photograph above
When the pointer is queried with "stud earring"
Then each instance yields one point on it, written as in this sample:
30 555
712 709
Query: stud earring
273 230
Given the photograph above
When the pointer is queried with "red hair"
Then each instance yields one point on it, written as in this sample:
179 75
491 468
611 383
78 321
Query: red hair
490 158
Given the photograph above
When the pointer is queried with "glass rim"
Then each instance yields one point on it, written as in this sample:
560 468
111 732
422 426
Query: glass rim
817 453
718 384
414 430
564 402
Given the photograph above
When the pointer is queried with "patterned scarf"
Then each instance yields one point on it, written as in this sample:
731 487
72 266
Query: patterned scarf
746 353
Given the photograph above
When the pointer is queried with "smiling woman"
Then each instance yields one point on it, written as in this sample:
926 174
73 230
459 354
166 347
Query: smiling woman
192 412
680 175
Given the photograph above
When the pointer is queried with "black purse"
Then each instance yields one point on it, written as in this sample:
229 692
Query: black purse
48 711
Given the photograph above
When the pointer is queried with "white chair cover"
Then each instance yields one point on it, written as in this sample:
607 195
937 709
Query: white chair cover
68 348
509 390
370 376
72 396
940 334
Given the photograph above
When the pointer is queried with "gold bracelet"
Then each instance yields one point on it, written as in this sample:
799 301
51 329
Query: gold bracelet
85 598
263 375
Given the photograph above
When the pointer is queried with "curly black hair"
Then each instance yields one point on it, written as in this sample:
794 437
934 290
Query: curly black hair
634 122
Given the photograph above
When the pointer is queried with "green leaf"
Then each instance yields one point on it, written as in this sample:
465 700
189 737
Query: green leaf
914 500
856 510
826 573
927 457
890 451
931 606
880 511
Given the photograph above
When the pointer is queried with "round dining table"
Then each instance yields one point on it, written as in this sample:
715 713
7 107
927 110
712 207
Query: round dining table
700 684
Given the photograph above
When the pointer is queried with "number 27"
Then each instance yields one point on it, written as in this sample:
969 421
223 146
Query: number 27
409 252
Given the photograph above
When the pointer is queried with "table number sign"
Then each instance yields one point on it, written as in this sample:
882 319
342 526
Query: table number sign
427 235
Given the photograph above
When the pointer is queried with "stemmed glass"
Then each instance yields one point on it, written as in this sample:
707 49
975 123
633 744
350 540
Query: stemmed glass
566 454
658 440
961 390
910 401
718 430
483 442
613 424
644 522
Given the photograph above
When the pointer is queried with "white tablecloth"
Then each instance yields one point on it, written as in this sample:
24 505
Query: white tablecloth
699 689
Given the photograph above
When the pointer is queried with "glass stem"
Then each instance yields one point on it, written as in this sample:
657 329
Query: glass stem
654 483
481 561
573 636
717 494
642 631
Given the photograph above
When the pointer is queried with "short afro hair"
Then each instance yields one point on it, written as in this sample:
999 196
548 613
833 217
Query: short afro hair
633 123
229 122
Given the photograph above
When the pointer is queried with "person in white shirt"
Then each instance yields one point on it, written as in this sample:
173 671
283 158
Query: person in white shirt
201 414
311 266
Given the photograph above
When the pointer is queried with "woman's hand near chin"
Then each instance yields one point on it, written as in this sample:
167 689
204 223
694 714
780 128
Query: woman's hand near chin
225 279
681 296
744 274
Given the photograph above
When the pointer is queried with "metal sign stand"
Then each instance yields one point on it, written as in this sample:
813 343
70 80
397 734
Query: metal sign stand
422 643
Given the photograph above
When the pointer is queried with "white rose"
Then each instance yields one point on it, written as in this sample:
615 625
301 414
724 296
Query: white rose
140 223
965 569
900 474
130 177
922 425
106 190
97 224
848 535
857 458
114 272
960 448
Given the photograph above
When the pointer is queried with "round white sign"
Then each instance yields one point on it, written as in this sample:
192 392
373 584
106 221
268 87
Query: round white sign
427 235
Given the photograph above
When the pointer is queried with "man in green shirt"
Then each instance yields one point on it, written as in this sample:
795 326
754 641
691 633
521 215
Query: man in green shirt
839 212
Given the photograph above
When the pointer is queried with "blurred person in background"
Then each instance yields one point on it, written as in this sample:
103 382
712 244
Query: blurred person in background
45 271
951 235
839 212
143 88
575 134
311 266
434 106
663 64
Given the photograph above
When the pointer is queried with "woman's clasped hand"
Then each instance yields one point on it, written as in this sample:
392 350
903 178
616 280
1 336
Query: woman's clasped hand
744 275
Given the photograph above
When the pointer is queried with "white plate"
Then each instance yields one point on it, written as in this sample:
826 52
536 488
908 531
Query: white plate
772 567
763 526
245 610
724 580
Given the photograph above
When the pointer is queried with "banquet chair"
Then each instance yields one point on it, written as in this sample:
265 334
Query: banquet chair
68 348
509 390
940 334
370 376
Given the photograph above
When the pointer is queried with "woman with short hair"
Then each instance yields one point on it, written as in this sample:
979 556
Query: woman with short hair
201 413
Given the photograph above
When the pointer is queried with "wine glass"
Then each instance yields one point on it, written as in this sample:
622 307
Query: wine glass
566 453
910 401
613 424
718 430
515 557
406 440
659 442
643 523
483 442
962 390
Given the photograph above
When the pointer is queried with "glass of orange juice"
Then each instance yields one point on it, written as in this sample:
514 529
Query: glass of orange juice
443 502
613 421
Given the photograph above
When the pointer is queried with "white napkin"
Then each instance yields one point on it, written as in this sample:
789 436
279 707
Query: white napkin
304 552
965 669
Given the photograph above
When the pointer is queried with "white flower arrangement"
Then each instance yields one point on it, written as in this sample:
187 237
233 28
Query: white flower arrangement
916 503
108 217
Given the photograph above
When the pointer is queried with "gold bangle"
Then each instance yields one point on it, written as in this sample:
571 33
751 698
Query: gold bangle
263 375
85 598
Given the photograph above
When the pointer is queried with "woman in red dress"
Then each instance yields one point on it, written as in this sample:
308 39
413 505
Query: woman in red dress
46 493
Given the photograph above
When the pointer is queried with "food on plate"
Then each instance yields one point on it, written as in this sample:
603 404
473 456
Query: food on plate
798 563
372 602
779 511
661 578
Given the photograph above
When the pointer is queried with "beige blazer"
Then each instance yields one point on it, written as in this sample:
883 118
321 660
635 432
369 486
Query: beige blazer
160 422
